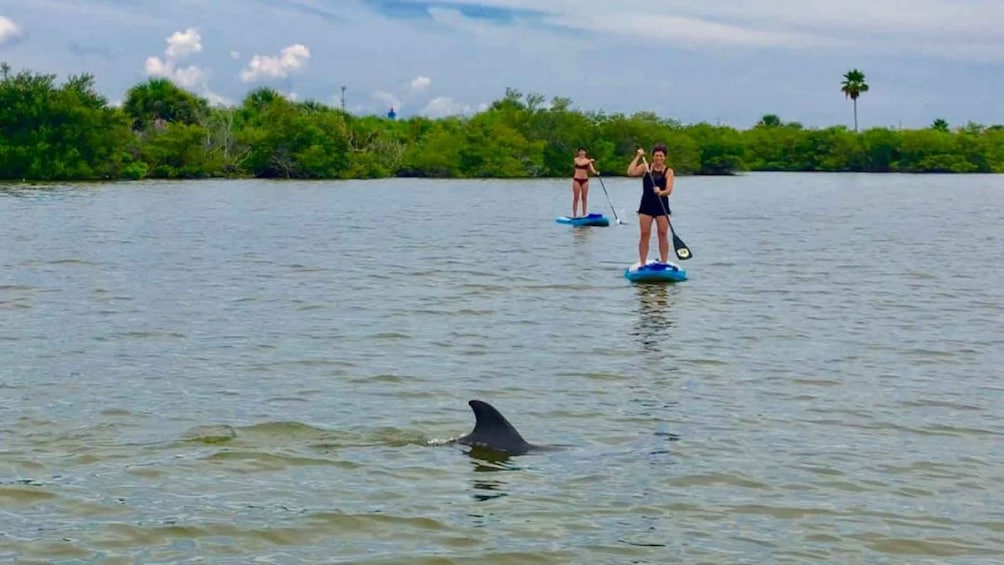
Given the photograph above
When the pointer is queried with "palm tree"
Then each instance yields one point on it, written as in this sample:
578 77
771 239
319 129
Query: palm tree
159 100
852 87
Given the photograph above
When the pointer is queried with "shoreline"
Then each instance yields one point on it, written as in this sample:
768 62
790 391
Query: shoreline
5 183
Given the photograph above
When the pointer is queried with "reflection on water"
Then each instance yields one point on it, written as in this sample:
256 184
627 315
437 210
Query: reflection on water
662 447
653 323
652 332
487 480
484 460
582 234
488 489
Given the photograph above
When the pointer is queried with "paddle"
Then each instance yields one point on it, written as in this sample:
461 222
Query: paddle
619 221
682 251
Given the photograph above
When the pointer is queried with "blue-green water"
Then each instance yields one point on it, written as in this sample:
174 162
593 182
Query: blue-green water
242 370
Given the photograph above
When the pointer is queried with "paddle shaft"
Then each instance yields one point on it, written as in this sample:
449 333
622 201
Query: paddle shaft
682 251
612 209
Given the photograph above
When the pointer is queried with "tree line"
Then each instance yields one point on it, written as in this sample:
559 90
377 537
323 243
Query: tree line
68 131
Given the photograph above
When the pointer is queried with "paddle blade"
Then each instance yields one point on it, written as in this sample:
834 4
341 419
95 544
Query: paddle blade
682 251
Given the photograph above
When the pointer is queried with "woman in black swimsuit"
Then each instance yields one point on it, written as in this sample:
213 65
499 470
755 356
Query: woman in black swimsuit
580 180
657 185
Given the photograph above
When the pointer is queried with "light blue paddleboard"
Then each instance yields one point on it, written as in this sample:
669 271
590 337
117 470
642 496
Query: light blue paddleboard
654 271
589 220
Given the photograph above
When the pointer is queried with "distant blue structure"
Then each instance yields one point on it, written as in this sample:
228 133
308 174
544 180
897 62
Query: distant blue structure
392 114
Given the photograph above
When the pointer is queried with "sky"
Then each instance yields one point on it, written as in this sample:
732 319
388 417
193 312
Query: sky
718 61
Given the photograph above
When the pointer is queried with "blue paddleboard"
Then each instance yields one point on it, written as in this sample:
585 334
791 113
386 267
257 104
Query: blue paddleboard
589 220
655 271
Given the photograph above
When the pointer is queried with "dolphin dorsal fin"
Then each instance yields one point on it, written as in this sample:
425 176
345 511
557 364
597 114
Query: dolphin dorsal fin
488 420
491 429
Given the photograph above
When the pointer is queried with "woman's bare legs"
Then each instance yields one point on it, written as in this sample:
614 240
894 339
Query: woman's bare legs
662 225
645 225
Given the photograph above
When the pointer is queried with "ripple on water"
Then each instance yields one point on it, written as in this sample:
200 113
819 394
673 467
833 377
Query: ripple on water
254 370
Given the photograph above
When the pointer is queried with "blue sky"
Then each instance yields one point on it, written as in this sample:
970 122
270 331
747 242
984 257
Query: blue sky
728 61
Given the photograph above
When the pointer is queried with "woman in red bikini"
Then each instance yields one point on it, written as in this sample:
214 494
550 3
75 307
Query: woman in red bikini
580 180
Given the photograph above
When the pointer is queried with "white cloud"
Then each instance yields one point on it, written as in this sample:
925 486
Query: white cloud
187 77
155 67
190 77
181 44
235 55
442 106
420 83
413 92
889 16
9 30
290 59
456 21
216 99
682 30
765 23
923 16
105 12
388 99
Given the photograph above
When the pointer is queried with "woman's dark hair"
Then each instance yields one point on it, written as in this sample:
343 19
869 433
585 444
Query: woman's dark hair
580 149
660 148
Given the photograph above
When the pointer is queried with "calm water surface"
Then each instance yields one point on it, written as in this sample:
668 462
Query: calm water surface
241 371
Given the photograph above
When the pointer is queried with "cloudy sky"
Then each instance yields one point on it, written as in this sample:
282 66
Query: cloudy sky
727 61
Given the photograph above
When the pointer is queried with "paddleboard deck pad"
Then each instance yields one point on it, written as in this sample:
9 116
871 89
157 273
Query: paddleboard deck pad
588 220
654 271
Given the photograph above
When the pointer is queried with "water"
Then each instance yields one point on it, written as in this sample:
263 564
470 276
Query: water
239 371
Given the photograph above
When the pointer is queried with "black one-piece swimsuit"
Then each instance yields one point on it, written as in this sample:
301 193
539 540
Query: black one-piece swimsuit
650 205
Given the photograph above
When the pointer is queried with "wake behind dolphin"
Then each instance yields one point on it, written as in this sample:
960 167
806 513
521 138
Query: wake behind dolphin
492 430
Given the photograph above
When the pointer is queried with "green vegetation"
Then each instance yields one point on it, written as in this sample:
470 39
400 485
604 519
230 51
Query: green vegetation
69 132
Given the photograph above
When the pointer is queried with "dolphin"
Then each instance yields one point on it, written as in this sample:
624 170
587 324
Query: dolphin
493 431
